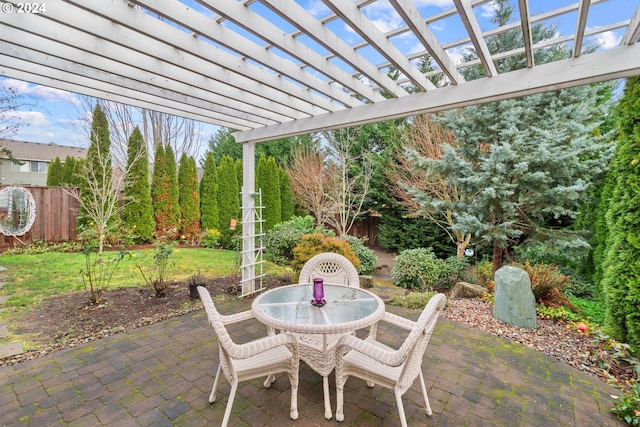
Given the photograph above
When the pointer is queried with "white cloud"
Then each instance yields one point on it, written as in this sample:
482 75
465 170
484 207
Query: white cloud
30 118
608 40
488 10
317 8
41 93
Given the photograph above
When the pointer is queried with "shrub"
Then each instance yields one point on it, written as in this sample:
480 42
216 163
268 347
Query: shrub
454 270
418 269
285 236
156 276
211 238
548 284
316 243
414 300
366 256
484 274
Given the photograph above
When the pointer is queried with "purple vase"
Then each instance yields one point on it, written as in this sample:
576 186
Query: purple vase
318 292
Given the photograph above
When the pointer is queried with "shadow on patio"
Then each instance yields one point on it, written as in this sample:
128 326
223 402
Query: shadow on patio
162 374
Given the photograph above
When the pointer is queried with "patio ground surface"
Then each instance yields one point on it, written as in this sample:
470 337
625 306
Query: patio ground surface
161 375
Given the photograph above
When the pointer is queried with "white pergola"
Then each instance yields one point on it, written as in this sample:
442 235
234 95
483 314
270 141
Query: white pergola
273 69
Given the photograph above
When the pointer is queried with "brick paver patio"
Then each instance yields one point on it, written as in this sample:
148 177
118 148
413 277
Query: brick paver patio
161 375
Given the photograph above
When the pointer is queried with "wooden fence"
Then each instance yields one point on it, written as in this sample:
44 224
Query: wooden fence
56 218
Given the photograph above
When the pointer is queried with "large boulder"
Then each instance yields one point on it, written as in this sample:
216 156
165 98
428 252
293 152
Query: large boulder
514 300
468 290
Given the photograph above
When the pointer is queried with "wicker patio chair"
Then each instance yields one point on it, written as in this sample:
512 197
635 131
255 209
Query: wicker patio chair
377 363
332 268
263 357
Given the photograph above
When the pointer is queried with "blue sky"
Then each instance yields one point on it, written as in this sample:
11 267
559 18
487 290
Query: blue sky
59 116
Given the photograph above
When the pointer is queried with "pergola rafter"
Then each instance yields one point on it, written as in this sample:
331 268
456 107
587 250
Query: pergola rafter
279 68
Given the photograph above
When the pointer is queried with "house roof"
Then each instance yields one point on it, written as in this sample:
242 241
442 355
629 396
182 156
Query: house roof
279 68
24 150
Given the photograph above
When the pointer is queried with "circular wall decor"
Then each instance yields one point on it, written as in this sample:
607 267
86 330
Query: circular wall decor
17 211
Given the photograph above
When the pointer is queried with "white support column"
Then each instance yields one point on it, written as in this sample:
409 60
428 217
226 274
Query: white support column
248 226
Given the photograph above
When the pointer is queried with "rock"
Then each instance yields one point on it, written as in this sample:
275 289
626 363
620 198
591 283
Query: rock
366 282
467 290
514 300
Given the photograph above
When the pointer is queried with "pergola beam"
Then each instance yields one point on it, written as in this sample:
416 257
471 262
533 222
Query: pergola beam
587 69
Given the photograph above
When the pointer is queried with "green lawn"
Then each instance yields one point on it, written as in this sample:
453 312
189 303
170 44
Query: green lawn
35 277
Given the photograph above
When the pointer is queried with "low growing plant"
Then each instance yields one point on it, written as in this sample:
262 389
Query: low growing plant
418 269
211 238
285 236
548 284
366 256
414 300
157 274
98 268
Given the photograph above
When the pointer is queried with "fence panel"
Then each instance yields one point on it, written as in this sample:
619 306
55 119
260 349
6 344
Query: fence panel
56 218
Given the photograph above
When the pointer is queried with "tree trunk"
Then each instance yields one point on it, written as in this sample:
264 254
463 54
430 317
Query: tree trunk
497 257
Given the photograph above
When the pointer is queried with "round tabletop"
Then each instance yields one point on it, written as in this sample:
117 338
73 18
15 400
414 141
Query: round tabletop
289 308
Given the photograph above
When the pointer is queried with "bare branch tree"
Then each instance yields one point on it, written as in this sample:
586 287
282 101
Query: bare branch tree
424 139
349 174
309 182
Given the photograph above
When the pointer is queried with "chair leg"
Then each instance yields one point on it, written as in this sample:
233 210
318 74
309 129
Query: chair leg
424 393
227 411
403 418
327 401
293 410
270 380
339 402
212 396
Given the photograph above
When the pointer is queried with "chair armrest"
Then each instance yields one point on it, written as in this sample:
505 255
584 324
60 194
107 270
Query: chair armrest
366 347
243 351
399 321
236 317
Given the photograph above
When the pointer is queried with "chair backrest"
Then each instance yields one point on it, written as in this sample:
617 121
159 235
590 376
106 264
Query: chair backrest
225 343
332 268
416 342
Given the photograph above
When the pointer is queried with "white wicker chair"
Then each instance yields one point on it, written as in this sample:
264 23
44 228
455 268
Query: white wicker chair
332 268
377 363
239 362
318 351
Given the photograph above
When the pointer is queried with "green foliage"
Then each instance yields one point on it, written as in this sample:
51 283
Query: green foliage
484 274
70 171
42 247
137 214
590 310
157 274
557 313
97 169
316 243
209 217
188 199
268 182
98 268
164 193
285 236
366 256
287 207
396 233
547 283
413 300
211 238
627 407
55 173
621 265
228 200
418 269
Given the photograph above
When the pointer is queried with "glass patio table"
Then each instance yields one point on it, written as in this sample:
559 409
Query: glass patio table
318 329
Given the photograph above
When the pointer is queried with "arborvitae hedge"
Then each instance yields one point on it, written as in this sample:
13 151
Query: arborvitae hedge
287 206
621 270
164 193
209 217
137 214
55 173
189 198
228 194
267 180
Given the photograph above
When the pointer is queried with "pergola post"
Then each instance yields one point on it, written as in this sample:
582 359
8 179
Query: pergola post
248 225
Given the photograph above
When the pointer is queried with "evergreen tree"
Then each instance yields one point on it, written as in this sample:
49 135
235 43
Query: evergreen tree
209 194
98 167
189 199
287 207
267 181
164 193
228 196
621 266
69 170
137 213
55 173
